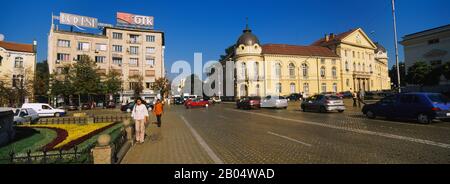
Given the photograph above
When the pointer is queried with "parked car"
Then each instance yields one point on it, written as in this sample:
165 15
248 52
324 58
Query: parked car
274 102
323 103
424 107
45 110
196 102
129 107
70 107
294 97
178 100
110 105
249 103
346 94
25 115
86 106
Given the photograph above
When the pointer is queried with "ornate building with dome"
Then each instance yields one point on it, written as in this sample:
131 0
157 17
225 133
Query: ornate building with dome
349 61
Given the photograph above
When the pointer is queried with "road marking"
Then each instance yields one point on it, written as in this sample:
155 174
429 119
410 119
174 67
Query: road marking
202 142
381 134
288 138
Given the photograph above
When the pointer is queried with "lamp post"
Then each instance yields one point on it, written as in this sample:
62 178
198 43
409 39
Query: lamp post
396 46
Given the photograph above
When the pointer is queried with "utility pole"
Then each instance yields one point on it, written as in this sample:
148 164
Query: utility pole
396 47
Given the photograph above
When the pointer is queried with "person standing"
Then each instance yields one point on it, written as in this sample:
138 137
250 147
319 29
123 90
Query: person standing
140 116
355 97
158 111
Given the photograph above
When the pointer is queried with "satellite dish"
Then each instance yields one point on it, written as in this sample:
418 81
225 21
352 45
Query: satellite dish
2 37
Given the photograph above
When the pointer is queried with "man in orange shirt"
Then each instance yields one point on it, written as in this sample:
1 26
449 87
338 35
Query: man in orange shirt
158 111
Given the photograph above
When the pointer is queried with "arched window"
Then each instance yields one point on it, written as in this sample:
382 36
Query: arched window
291 70
1 59
335 87
305 70
18 62
243 70
359 66
278 70
278 88
322 72
364 67
324 87
258 93
370 69
346 66
333 72
256 70
292 87
306 89
347 82
354 66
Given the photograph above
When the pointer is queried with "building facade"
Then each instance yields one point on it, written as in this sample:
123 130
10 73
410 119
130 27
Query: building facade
345 62
431 46
132 52
17 67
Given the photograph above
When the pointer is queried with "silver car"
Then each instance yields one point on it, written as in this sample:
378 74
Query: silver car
323 103
274 102
25 115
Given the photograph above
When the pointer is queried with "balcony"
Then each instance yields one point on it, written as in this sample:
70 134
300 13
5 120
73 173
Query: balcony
133 41
362 74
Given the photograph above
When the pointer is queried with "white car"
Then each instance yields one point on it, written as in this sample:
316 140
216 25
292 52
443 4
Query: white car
45 110
25 115
215 100
274 102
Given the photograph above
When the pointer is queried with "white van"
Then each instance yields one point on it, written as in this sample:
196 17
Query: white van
45 110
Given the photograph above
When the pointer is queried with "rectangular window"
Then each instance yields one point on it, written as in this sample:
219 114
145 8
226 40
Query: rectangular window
354 55
117 48
83 46
150 50
433 41
100 59
150 38
150 61
117 60
134 50
345 53
322 61
81 57
148 85
333 61
62 57
133 61
117 36
347 82
324 87
63 43
100 47
134 38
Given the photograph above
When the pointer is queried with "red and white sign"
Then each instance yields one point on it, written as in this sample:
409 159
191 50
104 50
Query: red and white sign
136 20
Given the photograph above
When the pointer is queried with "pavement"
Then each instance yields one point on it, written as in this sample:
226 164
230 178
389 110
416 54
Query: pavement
223 134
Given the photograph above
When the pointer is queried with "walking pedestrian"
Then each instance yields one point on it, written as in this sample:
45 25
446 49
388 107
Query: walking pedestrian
140 116
355 97
158 111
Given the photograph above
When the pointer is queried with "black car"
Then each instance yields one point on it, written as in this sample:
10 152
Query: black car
294 97
347 94
249 103
178 101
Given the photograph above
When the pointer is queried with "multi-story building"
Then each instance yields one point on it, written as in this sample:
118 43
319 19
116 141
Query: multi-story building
17 67
431 46
345 62
132 52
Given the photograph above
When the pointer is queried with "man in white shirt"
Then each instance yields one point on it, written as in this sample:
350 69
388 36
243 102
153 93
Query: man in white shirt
140 116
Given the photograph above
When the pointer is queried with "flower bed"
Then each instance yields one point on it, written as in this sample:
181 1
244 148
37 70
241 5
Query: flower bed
70 135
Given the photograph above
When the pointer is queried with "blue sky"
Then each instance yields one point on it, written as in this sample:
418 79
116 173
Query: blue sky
210 26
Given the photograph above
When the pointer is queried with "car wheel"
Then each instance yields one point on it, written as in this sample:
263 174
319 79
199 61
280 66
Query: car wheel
370 115
303 108
340 111
57 115
423 118
322 109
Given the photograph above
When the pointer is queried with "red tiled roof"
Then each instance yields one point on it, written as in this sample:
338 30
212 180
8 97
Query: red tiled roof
337 38
16 46
297 50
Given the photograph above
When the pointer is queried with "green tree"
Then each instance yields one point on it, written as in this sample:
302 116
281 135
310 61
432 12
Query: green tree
42 80
393 74
228 52
162 85
84 77
113 83
418 73
137 85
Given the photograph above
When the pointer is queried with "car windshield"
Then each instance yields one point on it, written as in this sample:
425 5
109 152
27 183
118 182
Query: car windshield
332 97
438 98
16 113
281 97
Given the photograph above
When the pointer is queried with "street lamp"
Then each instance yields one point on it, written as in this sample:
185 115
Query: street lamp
396 46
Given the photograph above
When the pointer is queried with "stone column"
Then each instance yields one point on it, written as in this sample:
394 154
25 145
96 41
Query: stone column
103 152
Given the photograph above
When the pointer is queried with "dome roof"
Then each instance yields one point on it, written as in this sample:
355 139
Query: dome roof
247 38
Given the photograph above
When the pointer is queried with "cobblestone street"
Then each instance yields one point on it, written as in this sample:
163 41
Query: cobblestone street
224 134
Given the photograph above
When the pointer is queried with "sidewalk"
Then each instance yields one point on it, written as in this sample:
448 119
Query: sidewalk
173 143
